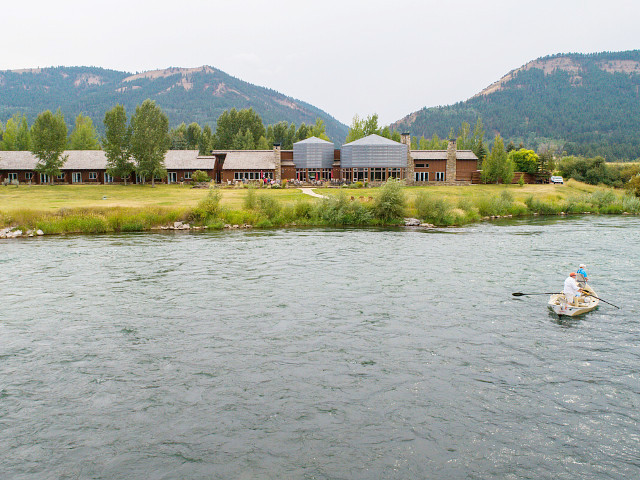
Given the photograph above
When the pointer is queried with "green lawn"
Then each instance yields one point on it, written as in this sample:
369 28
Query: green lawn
46 198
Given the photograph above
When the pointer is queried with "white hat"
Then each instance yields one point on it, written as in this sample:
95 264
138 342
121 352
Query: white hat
582 265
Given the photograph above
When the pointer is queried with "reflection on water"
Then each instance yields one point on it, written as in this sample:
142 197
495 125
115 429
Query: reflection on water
320 354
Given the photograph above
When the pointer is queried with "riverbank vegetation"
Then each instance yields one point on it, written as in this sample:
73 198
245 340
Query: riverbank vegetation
111 208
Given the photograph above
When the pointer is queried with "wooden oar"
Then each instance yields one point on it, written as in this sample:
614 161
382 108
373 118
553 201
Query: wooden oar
608 303
520 294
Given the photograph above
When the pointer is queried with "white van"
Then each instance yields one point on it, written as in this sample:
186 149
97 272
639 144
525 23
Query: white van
556 179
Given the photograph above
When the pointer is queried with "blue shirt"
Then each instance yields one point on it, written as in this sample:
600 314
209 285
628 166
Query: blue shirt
582 272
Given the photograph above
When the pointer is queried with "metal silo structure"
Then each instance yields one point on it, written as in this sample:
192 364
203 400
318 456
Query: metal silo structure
313 159
373 159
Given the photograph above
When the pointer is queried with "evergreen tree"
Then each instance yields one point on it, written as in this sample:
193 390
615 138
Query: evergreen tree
150 140
178 137
84 135
48 141
116 143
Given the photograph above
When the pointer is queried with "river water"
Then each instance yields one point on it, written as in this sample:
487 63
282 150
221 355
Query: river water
321 354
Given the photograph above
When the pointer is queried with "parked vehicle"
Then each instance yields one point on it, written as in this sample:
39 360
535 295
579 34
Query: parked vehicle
556 179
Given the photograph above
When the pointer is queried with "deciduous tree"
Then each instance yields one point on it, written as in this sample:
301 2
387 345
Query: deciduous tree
497 167
116 143
84 135
48 141
149 140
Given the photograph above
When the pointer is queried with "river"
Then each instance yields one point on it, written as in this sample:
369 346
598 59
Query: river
321 354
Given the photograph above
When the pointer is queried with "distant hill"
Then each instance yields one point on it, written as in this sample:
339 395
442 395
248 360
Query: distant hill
579 103
185 94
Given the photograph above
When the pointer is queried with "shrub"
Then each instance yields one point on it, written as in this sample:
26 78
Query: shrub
208 207
269 206
249 202
539 206
339 210
200 177
434 210
303 210
521 180
390 203
357 185
631 204
633 186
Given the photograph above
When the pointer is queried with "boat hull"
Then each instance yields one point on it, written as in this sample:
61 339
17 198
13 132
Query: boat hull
559 305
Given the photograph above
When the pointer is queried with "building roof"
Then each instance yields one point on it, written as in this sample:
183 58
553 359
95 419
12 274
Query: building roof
373 139
97 160
442 155
249 160
313 140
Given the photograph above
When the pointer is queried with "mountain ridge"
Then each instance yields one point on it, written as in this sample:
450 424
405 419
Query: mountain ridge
586 104
197 94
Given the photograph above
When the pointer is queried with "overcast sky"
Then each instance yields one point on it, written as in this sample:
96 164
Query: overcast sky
345 57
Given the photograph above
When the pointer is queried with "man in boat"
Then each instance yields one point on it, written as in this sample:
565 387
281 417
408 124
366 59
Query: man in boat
581 275
571 289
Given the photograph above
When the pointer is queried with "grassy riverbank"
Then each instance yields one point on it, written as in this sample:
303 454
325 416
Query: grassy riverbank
115 208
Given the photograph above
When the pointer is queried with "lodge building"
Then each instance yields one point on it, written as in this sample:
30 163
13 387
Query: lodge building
372 159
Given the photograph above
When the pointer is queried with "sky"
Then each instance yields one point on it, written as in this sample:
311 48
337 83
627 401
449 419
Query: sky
345 57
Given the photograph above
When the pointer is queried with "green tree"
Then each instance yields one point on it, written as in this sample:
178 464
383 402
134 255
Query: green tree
149 140
23 139
263 144
497 167
84 135
178 137
233 122
116 143
244 141
205 143
318 130
464 140
477 140
364 127
10 135
48 141
524 160
193 136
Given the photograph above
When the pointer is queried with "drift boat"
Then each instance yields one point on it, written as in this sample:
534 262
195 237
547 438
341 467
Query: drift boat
587 302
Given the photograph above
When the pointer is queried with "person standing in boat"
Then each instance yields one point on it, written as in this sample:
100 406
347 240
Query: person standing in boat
571 289
581 275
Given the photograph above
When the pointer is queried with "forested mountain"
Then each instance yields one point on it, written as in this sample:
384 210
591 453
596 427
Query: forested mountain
576 103
186 95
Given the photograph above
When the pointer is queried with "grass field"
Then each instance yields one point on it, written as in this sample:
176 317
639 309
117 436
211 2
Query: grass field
46 198
105 208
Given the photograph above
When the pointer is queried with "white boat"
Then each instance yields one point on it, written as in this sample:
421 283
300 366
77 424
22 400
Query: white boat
587 302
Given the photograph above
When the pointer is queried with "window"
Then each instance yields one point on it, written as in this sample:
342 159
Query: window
44 178
422 165
439 176
61 176
422 176
108 178
93 175
187 175
140 179
28 176
172 177
12 176
76 177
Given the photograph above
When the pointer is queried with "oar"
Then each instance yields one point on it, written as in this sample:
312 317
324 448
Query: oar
608 303
520 294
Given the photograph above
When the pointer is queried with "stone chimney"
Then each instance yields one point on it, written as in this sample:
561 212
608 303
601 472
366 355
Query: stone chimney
409 176
450 176
277 156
